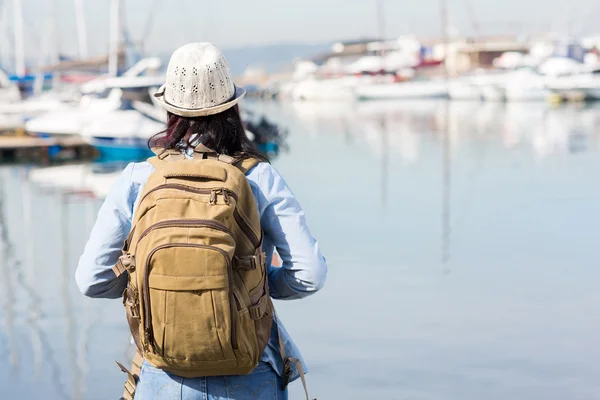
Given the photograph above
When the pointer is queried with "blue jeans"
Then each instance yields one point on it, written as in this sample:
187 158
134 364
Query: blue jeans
262 384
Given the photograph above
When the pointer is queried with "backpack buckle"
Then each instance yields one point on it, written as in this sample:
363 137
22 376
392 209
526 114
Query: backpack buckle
128 262
125 263
251 262
259 259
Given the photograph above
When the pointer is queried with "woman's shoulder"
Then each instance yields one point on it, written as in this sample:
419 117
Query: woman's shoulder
267 180
126 188
263 174
140 171
259 169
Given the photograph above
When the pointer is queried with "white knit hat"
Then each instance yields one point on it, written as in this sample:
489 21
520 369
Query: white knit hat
198 82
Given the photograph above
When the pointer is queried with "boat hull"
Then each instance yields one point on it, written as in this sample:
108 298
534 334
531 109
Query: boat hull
464 92
405 90
110 149
492 93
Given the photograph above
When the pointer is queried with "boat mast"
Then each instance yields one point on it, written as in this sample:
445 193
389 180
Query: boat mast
381 26
446 144
444 25
55 45
81 29
383 118
19 46
113 58
477 29
4 34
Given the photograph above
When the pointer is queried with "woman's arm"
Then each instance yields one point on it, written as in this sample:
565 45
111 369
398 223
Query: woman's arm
94 274
304 270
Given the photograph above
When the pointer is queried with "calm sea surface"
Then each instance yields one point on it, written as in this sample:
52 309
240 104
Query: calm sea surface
462 241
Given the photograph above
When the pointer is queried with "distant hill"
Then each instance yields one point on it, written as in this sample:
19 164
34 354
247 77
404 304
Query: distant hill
272 58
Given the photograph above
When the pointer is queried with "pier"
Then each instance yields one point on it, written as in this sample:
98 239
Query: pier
23 148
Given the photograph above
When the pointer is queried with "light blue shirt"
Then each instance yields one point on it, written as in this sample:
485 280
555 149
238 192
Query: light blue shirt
303 271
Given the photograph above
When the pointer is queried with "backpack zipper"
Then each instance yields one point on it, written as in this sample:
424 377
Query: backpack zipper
213 193
186 222
148 330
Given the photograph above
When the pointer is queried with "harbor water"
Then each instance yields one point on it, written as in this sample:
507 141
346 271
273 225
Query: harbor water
462 242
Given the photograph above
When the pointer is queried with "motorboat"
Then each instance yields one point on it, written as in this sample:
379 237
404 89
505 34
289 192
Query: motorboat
416 89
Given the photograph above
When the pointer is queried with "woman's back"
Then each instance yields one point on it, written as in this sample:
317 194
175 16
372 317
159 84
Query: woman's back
203 119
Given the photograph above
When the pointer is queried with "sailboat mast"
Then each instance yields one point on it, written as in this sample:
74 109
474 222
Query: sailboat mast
446 143
19 45
4 34
55 45
381 26
444 25
81 29
115 25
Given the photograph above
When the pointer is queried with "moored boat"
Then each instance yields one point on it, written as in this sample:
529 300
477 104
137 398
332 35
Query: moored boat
417 89
464 90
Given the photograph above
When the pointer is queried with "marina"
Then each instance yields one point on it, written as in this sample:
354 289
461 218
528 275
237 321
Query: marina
546 70
451 181
108 101
492 273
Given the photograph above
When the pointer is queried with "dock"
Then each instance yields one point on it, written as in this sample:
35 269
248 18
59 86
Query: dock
23 148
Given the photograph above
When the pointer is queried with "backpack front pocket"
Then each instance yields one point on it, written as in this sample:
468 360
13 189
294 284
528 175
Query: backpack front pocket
189 316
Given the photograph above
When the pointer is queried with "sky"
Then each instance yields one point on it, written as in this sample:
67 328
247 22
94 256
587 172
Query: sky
163 25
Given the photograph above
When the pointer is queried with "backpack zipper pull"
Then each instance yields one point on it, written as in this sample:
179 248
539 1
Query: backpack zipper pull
213 197
149 341
226 196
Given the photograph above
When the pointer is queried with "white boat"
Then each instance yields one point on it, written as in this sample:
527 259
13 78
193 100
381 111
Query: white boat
519 93
121 131
71 119
425 89
492 92
314 89
141 75
321 89
34 106
10 122
526 85
66 100
585 83
464 89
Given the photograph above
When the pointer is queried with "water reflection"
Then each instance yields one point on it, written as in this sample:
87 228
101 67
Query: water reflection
444 187
402 130
545 130
45 215
18 280
446 196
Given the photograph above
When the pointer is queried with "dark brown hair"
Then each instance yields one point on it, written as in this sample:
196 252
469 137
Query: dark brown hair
223 132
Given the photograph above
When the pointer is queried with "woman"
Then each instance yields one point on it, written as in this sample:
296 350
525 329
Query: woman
201 101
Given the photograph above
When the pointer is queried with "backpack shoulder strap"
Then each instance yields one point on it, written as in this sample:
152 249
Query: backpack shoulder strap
288 361
163 155
133 375
156 162
245 164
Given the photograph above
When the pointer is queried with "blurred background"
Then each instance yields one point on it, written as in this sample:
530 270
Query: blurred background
447 154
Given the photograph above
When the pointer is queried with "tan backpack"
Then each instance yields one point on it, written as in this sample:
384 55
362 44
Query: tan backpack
197 300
